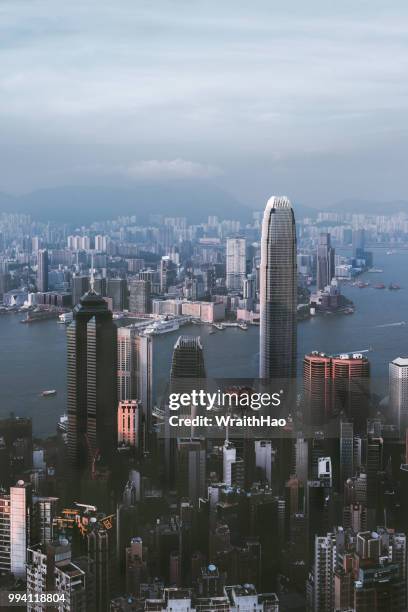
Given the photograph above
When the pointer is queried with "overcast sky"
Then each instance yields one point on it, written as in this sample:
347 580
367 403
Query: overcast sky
306 98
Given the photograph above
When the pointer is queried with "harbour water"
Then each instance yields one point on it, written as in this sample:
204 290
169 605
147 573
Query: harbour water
33 357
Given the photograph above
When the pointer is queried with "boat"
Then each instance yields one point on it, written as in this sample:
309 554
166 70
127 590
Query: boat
49 393
66 317
393 287
375 271
243 326
379 286
362 285
162 327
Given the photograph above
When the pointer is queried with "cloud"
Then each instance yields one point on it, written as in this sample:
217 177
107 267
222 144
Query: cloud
164 169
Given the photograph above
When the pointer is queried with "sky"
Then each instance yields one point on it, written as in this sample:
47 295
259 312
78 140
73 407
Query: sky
307 99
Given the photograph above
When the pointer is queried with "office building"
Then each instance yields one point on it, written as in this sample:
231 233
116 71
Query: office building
117 290
168 273
140 296
102 555
335 385
135 368
346 450
79 286
187 363
190 469
42 270
325 261
264 456
398 393
130 424
278 291
236 263
92 381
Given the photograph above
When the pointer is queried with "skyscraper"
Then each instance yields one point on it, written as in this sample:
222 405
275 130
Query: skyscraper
398 388
323 573
92 381
5 560
187 368
336 384
117 290
140 296
42 270
278 291
130 424
168 273
135 368
325 261
190 468
187 363
79 286
236 263
358 242
346 450
20 505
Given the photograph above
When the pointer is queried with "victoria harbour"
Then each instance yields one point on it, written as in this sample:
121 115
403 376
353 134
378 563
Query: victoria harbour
33 357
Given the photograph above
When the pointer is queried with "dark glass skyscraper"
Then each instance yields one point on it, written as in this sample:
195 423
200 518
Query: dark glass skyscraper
278 285
187 363
92 384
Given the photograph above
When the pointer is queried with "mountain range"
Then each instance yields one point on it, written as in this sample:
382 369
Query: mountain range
84 204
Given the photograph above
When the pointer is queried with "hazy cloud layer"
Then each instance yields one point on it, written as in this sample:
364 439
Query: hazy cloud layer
309 99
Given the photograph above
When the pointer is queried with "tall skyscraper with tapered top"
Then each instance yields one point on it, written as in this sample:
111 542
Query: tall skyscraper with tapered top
278 289
92 381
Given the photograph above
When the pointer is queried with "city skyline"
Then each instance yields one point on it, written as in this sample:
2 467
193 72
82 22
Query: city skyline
158 313
203 382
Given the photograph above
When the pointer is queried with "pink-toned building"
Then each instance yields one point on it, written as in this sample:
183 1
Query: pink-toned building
129 423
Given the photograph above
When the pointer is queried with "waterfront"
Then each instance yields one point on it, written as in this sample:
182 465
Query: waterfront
33 357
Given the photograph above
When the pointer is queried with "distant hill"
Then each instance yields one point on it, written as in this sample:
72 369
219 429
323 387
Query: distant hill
84 204
371 207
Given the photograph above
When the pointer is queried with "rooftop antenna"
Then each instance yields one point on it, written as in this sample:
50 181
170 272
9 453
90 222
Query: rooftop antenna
92 281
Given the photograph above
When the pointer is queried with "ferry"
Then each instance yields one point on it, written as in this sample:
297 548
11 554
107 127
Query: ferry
162 327
379 286
49 393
